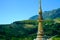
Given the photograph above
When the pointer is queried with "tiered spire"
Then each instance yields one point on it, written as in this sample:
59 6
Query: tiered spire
40 25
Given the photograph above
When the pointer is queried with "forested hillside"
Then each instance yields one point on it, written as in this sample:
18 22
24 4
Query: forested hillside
27 29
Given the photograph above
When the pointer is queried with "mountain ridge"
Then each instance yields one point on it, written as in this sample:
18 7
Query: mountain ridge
48 14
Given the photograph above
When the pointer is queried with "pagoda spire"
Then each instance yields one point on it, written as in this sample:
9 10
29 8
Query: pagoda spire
40 32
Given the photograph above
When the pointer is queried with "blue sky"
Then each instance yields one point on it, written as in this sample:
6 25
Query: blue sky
17 10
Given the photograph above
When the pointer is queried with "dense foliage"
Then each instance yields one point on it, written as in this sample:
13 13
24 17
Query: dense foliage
27 29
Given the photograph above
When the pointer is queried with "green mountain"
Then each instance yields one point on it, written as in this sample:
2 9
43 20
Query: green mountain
27 29
48 15
18 29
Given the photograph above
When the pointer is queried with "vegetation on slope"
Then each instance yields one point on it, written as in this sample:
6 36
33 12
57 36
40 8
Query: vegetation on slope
27 29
